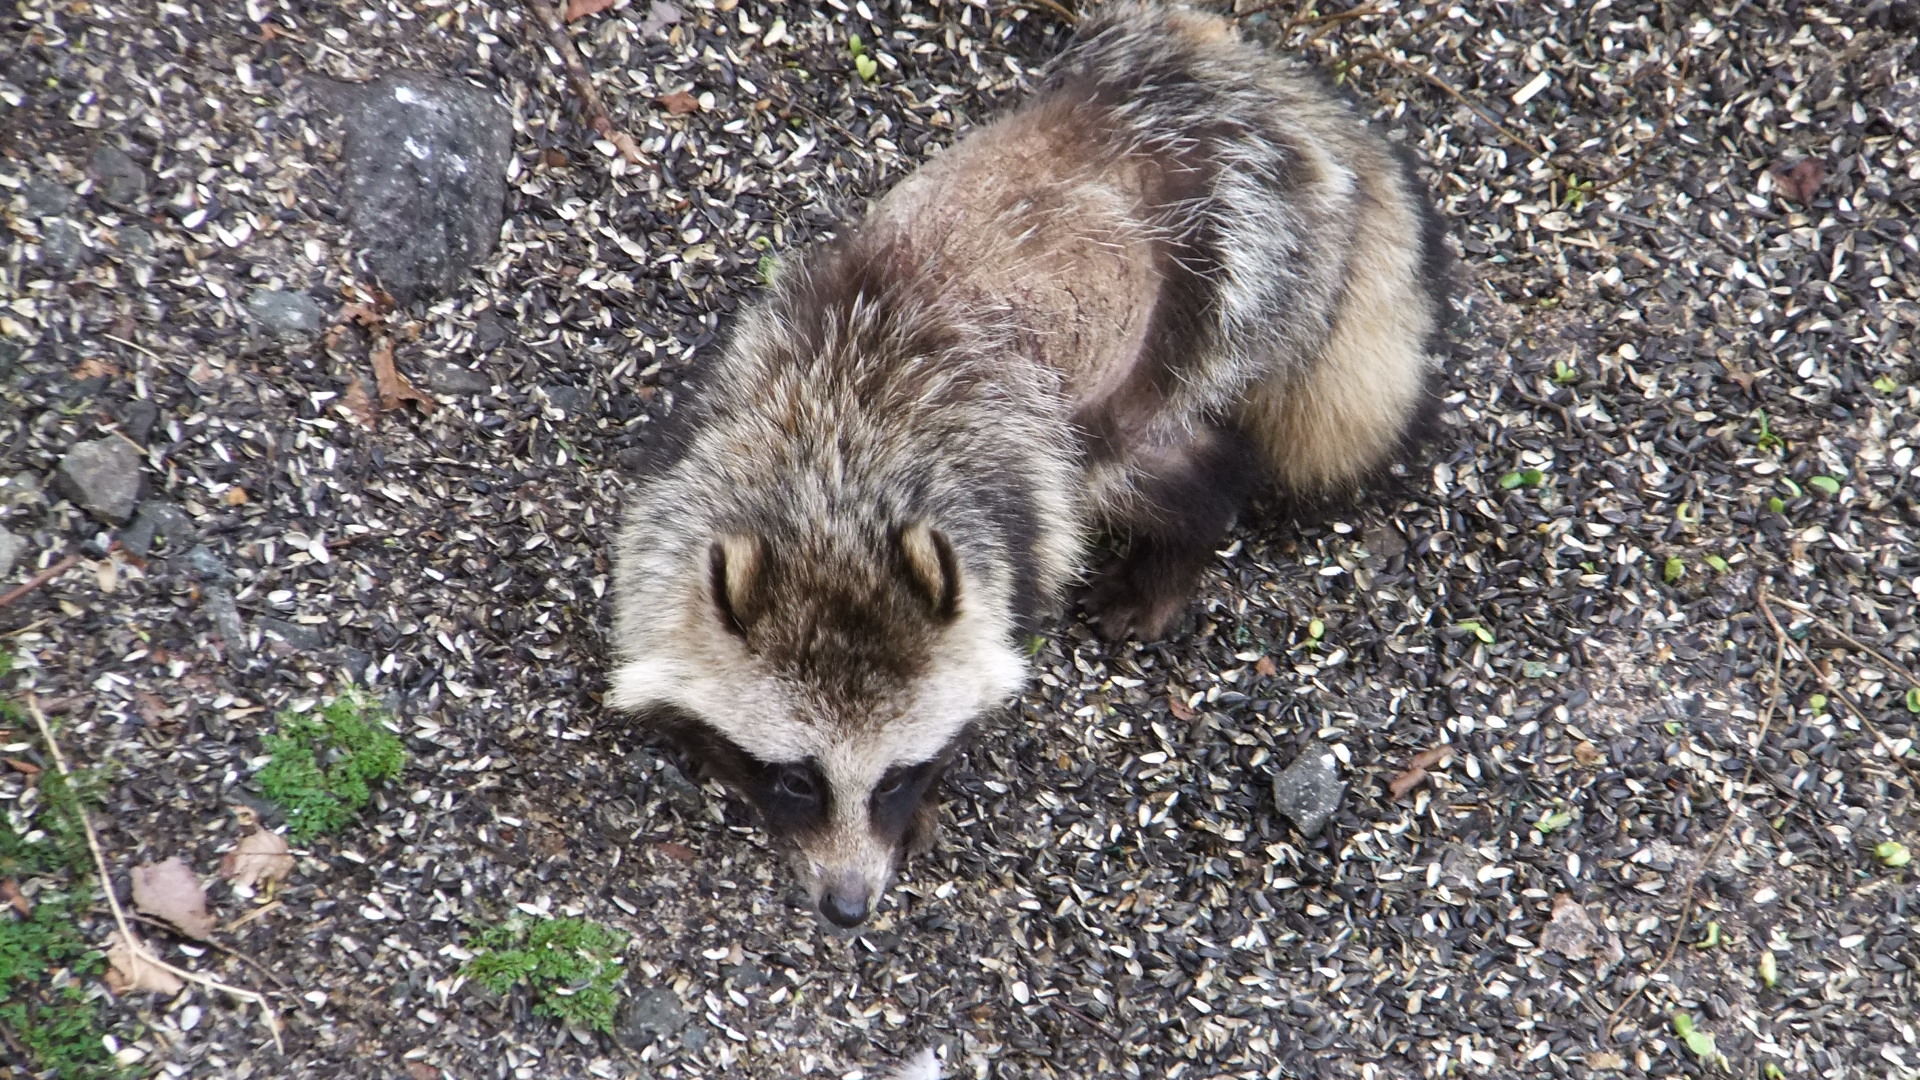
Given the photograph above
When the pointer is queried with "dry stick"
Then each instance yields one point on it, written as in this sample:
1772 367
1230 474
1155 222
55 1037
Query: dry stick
1511 136
134 952
1065 13
1726 827
1853 703
228 949
40 579
595 109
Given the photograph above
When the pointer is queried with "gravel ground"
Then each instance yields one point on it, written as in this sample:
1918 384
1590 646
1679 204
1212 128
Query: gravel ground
1685 380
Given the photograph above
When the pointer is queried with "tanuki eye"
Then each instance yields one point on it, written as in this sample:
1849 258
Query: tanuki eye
796 783
891 783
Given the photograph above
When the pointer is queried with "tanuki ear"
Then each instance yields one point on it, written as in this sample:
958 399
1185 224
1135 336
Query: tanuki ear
932 567
735 565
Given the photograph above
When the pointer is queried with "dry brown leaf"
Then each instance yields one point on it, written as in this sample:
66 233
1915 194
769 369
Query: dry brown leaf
261 857
133 966
676 852
359 406
1405 782
1264 666
236 496
580 9
1572 932
679 103
93 367
1587 754
1800 182
394 388
24 768
420 1070
364 314
169 890
10 892
1178 706
1427 759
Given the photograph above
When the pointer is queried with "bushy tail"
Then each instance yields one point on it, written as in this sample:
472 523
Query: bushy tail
923 1067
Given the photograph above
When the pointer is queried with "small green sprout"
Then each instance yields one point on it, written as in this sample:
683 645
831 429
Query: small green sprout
1765 438
1886 384
1770 1071
1913 699
1034 643
1892 854
1700 1042
1473 627
1769 969
767 267
1825 485
1565 373
322 767
1519 478
1777 505
571 965
1793 489
1316 629
867 66
1712 940
1818 703
1719 564
1553 822
1674 570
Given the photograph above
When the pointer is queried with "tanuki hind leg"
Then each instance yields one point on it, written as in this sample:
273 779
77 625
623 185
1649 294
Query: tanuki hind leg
1186 499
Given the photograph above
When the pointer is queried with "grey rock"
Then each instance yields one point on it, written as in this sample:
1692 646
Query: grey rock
119 179
489 331
159 520
206 565
10 354
22 489
11 548
1309 790
135 241
696 1038
681 793
46 198
568 399
300 637
289 316
103 478
449 378
1899 106
647 1015
63 247
137 418
426 187
227 623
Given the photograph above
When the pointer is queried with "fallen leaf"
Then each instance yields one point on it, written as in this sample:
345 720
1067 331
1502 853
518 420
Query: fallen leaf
1264 666
261 857
133 966
660 15
359 406
1801 181
1427 759
236 496
24 768
580 9
10 892
364 314
1178 706
420 1070
555 159
676 852
1572 931
1605 1061
1405 782
393 387
1587 754
94 367
169 890
679 103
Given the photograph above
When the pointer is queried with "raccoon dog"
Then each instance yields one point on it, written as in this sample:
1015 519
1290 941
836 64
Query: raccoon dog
1181 268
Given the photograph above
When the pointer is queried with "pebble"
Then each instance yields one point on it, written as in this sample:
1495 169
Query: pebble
570 400
450 378
289 316
103 478
157 519
1309 790
137 419
426 166
120 180
45 198
63 247
11 548
649 1014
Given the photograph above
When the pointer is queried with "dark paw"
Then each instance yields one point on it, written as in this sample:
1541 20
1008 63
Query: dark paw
1127 602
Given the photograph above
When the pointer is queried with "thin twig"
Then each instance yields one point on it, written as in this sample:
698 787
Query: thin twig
1859 710
1446 87
127 938
590 102
1726 827
228 949
1065 13
39 579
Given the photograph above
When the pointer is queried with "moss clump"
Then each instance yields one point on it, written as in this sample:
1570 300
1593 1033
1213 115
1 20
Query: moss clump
570 965
45 963
323 766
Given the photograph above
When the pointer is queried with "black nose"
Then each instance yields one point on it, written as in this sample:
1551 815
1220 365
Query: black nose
844 910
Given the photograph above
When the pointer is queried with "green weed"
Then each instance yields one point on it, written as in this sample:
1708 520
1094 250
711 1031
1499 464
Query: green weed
323 766
570 965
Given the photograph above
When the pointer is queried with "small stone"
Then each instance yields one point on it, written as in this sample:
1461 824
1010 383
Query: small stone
103 478
456 381
1309 790
570 400
137 419
119 179
45 198
11 548
299 637
63 247
289 316
649 1014
227 623
206 565
135 241
157 519
489 331
426 186
696 1038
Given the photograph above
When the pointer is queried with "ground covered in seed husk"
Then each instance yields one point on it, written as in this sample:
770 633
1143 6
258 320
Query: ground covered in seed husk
1679 459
